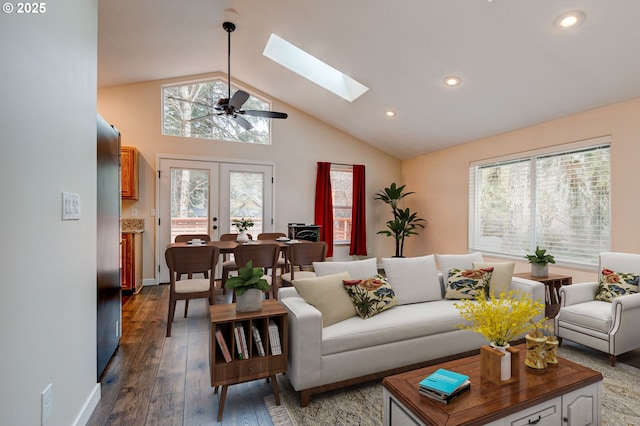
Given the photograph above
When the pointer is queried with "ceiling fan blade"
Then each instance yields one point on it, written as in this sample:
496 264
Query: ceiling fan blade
238 99
201 117
242 122
267 114
191 102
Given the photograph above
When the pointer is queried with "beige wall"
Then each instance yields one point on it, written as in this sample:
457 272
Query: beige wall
48 145
441 179
297 144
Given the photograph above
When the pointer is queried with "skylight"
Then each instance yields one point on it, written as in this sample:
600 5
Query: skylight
313 69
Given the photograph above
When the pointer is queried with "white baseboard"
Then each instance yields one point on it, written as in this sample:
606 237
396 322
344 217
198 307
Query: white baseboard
149 281
90 404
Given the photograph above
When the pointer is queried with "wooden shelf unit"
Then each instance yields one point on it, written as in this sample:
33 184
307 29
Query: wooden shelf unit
129 172
255 367
552 283
131 246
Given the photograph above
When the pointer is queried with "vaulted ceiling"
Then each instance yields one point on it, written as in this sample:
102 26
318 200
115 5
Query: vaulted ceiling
517 69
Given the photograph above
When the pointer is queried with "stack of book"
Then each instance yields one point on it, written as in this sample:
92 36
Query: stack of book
444 385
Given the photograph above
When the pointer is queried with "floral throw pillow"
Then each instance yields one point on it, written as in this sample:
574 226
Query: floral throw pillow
468 283
613 284
370 296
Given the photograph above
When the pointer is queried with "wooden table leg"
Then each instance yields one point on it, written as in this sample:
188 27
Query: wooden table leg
276 393
223 396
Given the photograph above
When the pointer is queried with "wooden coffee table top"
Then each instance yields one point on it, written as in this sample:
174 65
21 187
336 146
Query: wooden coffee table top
486 402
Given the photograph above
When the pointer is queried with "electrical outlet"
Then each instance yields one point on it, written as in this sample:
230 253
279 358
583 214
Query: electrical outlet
134 212
47 402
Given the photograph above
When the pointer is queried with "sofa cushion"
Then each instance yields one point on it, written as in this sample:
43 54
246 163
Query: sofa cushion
595 315
457 261
468 283
414 279
327 294
613 284
403 322
501 277
357 269
370 296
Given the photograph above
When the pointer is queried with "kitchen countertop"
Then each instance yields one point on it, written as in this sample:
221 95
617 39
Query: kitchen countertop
132 226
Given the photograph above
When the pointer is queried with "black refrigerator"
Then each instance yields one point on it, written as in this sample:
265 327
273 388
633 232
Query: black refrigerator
109 306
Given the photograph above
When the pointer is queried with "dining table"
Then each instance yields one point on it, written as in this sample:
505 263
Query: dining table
229 246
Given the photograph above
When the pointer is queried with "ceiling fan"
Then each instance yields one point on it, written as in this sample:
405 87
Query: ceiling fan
231 106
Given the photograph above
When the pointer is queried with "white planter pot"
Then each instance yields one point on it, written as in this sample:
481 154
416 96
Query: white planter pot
538 270
505 362
251 301
242 237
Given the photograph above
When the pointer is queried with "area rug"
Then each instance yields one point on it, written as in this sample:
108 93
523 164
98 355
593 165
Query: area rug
362 404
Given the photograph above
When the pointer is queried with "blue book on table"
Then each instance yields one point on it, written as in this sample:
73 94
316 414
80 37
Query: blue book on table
444 381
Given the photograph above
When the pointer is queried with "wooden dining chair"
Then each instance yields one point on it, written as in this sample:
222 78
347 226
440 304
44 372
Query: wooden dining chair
183 238
228 262
262 256
282 261
301 256
187 261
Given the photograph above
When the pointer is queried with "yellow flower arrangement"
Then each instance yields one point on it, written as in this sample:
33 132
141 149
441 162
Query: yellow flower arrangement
501 319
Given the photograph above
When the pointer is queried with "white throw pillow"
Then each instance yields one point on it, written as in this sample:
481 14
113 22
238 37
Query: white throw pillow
457 261
357 269
413 279
501 278
327 294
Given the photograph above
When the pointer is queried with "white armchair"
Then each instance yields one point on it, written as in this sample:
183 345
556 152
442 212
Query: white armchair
610 327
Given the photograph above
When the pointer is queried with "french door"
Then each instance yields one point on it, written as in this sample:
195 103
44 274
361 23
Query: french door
204 197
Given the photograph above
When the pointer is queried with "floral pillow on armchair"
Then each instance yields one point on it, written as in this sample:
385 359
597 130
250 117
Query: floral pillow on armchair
370 296
613 284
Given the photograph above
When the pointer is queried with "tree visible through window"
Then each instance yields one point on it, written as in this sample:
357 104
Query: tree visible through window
342 196
556 200
185 102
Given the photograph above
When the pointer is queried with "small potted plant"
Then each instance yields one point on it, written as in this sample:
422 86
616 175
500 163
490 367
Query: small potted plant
540 262
242 225
248 286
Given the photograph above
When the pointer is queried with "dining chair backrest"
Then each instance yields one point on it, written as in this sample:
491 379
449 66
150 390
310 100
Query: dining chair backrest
271 235
186 260
304 254
182 238
262 256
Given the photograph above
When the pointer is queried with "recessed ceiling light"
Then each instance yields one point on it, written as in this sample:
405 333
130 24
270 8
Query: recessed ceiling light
452 80
390 113
571 19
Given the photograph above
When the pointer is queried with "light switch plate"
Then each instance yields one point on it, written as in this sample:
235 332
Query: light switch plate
70 206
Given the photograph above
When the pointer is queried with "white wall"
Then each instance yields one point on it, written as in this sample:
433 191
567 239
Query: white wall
47 145
298 143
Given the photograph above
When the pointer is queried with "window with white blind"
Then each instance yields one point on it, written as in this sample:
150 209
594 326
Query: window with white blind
557 199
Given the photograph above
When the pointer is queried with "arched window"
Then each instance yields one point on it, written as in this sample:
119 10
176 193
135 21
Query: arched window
188 111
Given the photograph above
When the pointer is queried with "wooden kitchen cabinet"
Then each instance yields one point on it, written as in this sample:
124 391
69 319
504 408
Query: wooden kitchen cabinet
131 262
129 172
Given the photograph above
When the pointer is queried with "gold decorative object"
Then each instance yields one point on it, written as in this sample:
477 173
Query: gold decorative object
536 351
551 351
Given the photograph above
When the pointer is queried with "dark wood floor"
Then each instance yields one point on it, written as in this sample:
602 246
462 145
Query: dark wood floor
155 380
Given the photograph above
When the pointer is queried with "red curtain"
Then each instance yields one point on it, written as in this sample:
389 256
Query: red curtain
324 205
358 245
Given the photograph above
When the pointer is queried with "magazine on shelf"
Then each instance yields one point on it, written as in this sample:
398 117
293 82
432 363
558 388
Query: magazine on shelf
446 399
443 382
258 340
243 339
222 344
239 351
274 338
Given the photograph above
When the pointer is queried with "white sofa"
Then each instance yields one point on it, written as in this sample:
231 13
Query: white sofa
398 339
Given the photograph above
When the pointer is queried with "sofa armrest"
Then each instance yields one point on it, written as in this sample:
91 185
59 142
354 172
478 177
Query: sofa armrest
625 312
305 340
534 289
578 293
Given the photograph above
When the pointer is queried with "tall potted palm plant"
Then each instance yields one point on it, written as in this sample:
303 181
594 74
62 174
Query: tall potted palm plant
404 223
